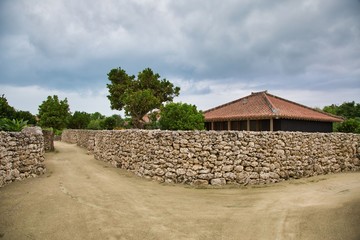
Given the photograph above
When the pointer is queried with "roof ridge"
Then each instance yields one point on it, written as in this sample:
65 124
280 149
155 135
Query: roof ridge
275 110
234 101
313 109
269 103
225 104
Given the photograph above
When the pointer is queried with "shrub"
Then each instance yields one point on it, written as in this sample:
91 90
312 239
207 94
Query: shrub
12 125
181 116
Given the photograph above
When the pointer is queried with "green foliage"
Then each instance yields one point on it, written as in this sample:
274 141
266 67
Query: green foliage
9 112
181 116
119 122
58 132
26 116
347 110
139 96
331 109
109 123
138 104
54 113
351 125
95 124
99 122
351 112
12 125
96 116
79 120
6 111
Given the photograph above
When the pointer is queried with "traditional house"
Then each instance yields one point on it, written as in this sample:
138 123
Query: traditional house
262 111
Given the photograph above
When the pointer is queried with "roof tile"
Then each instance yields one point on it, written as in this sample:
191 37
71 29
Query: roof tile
262 105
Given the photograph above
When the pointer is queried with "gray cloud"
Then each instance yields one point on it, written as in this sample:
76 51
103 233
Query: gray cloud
308 45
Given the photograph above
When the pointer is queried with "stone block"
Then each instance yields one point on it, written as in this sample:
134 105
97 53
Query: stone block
218 181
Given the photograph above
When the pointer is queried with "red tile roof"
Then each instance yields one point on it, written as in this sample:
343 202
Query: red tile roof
262 105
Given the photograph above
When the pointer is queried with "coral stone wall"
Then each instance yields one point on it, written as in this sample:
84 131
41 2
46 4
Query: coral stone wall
21 155
82 138
70 136
48 140
209 157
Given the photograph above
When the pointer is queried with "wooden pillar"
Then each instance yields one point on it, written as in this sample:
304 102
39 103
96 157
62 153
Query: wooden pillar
248 125
229 125
271 124
212 126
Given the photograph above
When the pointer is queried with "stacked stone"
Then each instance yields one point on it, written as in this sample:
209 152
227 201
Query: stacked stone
82 138
48 140
86 139
217 158
69 136
21 155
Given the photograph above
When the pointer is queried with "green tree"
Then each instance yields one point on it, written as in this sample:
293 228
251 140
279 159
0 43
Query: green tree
95 124
9 112
119 121
181 116
54 113
108 123
351 112
331 109
347 110
26 116
6 111
351 125
96 116
96 121
79 120
139 96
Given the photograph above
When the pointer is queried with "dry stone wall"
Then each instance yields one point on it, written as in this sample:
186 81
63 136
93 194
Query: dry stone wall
21 155
217 158
82 138
48 140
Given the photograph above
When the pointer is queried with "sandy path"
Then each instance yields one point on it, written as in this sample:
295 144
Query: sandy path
82 198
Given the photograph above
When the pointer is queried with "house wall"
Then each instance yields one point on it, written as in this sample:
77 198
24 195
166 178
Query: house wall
302 126
279 125
222 157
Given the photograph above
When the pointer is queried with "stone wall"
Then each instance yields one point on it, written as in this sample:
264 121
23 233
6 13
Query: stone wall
21 155
82 138
217 158
70 136
48 140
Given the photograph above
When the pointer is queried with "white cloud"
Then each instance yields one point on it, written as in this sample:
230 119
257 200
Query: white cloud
30 97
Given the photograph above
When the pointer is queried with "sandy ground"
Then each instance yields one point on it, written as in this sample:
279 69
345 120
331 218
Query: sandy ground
82 198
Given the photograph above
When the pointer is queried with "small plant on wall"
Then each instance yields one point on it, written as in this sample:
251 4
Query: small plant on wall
12 125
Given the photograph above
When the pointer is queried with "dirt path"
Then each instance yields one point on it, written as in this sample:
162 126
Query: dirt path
82 198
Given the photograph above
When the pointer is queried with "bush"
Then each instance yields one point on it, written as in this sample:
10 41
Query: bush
95 124
181 116
12 125
349 126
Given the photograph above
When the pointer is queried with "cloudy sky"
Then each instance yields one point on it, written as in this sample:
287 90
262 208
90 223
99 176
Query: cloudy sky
306 51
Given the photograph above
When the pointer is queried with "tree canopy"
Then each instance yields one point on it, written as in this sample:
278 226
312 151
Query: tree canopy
9 112
6 111
139 96
54 113
79 120
181 116
350 111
